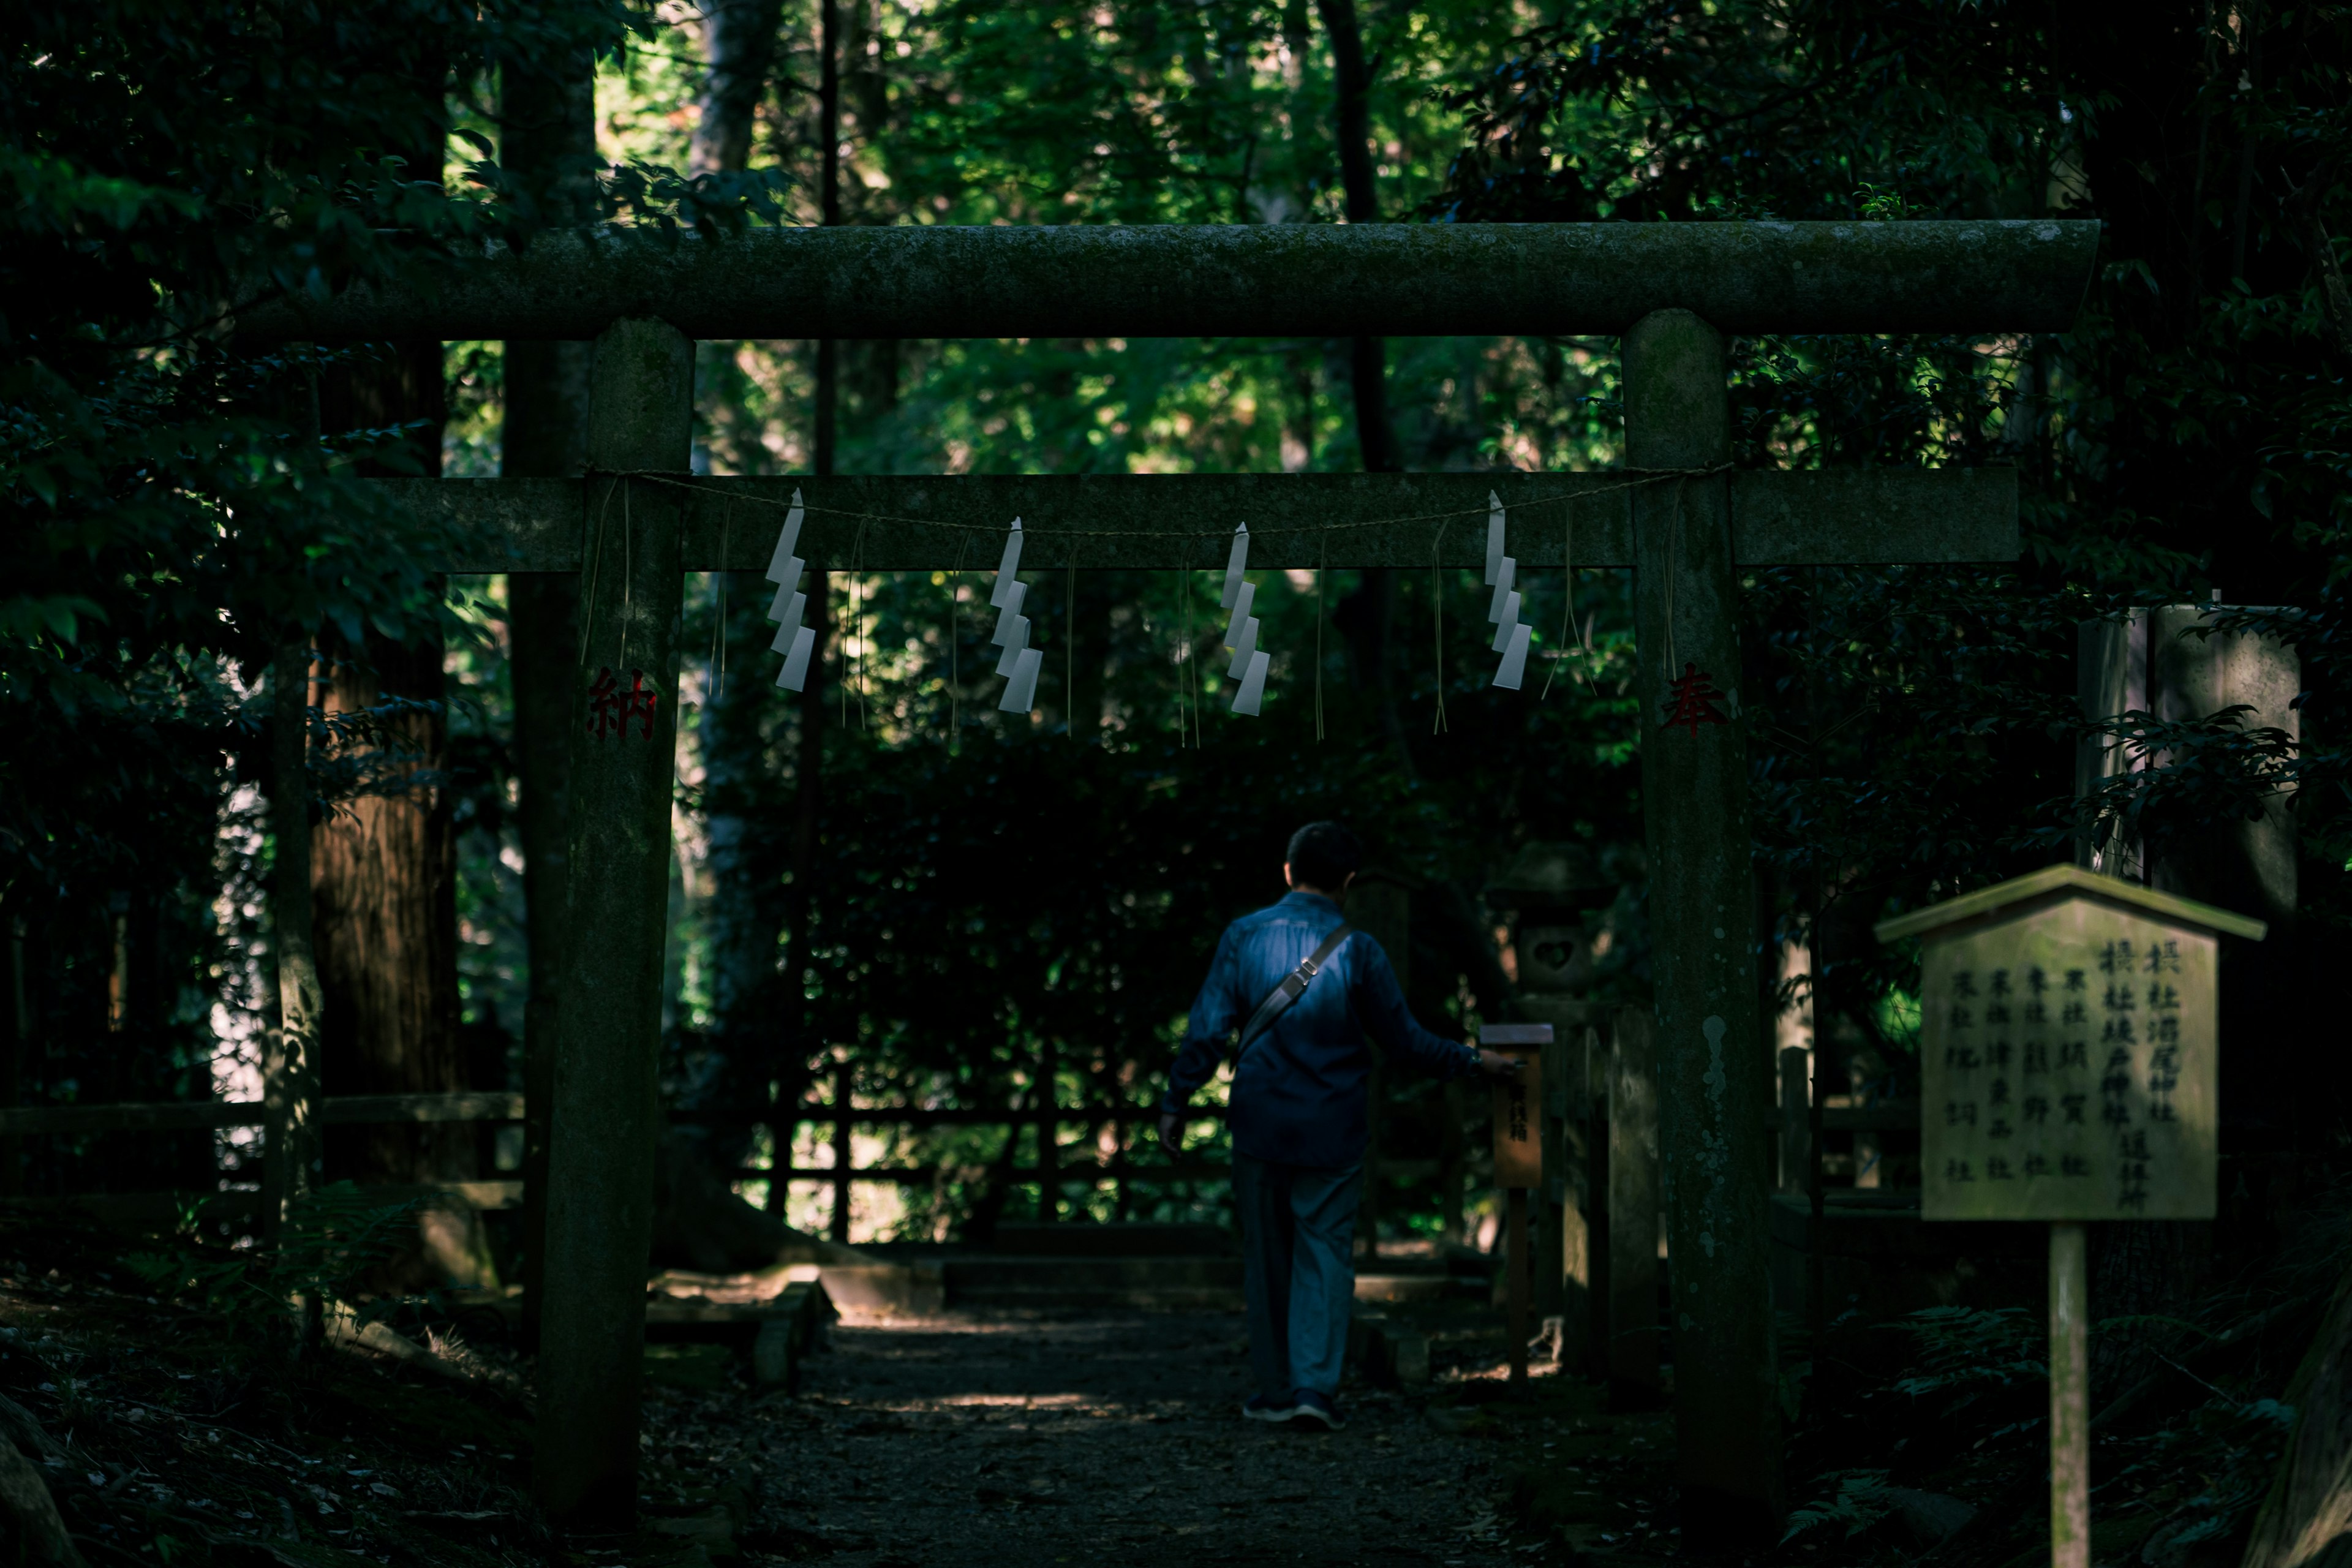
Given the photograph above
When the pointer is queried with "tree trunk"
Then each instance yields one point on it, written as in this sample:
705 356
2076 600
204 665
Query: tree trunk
740 43
384 872
794 1071
1367 616
550 147
794 1062
1368 358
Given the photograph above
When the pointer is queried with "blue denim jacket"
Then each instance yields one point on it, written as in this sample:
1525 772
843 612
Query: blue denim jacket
1299 1096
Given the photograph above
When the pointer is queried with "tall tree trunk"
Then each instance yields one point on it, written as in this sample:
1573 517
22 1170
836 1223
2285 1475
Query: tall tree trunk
1367 617
549 125
1367 357
385 867
794 1062
739 42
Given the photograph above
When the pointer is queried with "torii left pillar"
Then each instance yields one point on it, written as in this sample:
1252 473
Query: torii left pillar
606 1115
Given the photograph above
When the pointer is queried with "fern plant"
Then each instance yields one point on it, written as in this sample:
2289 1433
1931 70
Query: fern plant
332 1238
1860 1501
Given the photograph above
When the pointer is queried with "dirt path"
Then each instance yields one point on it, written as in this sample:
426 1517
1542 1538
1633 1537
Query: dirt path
997 1442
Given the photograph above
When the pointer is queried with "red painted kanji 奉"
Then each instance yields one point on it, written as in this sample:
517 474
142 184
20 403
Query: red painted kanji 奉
610 709
1695 699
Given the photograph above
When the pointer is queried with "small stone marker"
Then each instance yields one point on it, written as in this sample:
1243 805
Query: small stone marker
2068 1045
1519 1166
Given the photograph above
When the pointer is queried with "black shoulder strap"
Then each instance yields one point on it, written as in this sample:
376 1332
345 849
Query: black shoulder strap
1293 985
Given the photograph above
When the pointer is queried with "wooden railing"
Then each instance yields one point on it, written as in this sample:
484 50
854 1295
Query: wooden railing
841 1115
216 1115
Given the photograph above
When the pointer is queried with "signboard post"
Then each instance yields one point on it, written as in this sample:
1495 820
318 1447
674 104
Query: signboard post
2067 1048
1518 1166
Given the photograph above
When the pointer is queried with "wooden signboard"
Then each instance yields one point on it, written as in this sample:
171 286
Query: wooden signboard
1519 1129
2067 1052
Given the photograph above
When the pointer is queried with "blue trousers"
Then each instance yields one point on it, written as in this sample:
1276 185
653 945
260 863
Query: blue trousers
1298 1232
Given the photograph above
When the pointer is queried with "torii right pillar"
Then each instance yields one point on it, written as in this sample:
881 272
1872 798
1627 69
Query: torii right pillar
1712 1085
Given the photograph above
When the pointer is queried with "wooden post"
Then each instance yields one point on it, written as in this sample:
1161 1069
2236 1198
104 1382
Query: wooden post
1380 906
1631 1337
2070 1397
1518 1167
1563 1266
1594 1122
1795 1118
837 1225
1702 904
289 1069
605 1117
1514 1315
17 1019
1049 1136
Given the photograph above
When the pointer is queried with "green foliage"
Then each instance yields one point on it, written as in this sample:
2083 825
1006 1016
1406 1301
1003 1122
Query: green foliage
1969 1351
1859 1502
331 1239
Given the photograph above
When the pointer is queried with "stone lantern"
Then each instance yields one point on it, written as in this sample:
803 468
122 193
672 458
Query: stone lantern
1546 893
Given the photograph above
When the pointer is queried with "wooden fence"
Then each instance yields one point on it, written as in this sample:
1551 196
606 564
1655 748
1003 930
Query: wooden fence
842 1116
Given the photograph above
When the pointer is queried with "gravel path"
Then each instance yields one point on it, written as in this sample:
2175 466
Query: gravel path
1002 1441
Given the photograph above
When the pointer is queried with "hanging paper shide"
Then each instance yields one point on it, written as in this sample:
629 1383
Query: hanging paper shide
1250 662
1019 663
793 640
1511 637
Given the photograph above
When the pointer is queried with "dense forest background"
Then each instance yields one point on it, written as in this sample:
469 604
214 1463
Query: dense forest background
894 874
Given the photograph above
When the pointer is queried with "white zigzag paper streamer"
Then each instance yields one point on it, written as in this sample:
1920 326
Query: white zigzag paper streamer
1005 568
1019 663
793 640
1514 668
1505 575
1511 637
1020 691
1015 645
1235 563
1241 605
1508 623
1253 689
1008 610
784 566
1244 647
795 674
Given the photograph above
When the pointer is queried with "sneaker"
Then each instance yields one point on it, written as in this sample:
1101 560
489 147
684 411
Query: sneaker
1315 1410
1261 1408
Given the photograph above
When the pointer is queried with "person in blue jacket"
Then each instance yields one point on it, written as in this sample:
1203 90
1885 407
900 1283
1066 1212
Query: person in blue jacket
1298 1115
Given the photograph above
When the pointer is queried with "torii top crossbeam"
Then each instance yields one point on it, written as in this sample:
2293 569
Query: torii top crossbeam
1237 281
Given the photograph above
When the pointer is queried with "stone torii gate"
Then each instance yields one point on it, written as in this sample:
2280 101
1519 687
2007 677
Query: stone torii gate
1672 290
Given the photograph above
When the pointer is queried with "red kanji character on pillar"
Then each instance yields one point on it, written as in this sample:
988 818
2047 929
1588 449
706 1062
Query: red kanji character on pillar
610 709
1694 697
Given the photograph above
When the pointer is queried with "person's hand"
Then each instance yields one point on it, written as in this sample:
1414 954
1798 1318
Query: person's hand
1171 1132
1494 1064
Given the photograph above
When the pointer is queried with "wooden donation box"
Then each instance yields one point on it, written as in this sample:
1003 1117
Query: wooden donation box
2068 1058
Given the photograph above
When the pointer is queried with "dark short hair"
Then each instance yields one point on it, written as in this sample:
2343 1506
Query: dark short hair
1325 855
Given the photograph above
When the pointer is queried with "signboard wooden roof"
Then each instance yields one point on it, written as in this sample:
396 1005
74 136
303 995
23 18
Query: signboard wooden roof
2053 882
2067 1049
